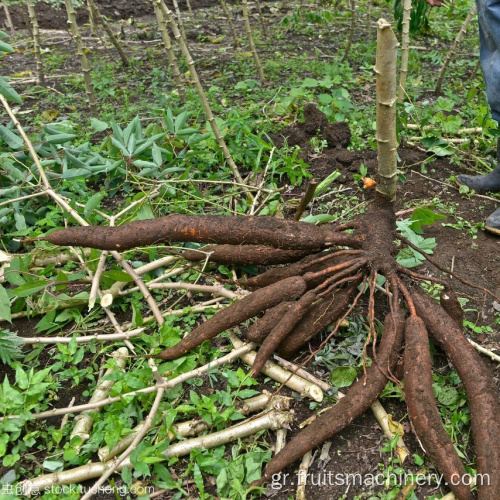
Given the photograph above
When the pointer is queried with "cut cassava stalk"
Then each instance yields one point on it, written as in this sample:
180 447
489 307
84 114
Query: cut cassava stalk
351 30
100 19
7 15
40 76
272 420
276 372
251 43
80 49
452 52
172 59
405 50
201 93
230 23
180 20
481 391
423 411
84 421
193 428
244 254
385 69
261 19
26 18
359 398
235 230
246 308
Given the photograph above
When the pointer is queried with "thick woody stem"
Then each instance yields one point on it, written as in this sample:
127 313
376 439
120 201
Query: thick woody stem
40 77
80 49
7 15
100 19
203 98
451 53
405 50
385 68
172 59
230 23
251 43
351 31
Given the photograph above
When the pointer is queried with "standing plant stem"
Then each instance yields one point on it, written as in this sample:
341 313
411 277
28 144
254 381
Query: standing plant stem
180 21
225 8
251 43
188 4
194 75
405 50
81 54
454 47
385 69
40 77
172 60
100 19
262 20
26 17
351 30
93 25
7 15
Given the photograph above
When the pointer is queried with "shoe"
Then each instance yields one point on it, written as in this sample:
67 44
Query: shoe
493 222
482 183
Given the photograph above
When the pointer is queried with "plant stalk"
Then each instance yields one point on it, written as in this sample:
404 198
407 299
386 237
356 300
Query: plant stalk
385 69
405 50
40 76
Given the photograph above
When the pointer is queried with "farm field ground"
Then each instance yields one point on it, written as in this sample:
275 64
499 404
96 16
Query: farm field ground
312 117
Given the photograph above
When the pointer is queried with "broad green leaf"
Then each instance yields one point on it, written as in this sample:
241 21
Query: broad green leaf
424 216
59 138
98 125
5 47
5 305
343 376
8 92
118 276
12 140
30 288
92 204
318 219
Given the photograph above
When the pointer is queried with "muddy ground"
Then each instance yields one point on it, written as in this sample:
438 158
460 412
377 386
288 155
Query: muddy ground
475 256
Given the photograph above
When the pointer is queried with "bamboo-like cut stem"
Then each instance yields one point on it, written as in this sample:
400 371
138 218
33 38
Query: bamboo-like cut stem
40 76
100 19
405 50
261 19
93 25
351 30
172 59
80 49
7 15
230 23
188 5
451 53
26 17
201 93
251 43
180 21
385 69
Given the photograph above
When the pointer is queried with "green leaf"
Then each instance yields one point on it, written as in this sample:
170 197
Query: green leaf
59 138
8 92
12 140
5 305
118 276
343 376
92 204
318 219
5 47
30 288
53 465
424 217
98 125
10 346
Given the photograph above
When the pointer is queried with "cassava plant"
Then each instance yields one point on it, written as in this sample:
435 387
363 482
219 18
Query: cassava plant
40 76
251 42
405 50
94 9
230 23
7 16
329 270
80 49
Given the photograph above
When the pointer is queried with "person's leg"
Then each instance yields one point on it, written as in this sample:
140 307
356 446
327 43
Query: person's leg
488 12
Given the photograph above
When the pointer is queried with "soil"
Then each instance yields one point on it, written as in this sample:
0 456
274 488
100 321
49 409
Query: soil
472 255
